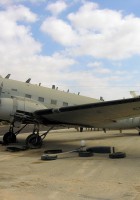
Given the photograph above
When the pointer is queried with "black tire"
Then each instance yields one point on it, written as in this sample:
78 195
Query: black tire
85 154
53 151
117 155
101 149
47 157
9 137
33 141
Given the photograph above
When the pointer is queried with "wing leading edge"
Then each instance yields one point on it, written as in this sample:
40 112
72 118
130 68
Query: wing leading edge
91 114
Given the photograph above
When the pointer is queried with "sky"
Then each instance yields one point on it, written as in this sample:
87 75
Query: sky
86 46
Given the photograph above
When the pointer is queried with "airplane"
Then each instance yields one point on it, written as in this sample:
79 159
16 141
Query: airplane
23 103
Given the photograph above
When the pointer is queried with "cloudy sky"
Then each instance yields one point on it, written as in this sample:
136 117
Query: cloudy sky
86 46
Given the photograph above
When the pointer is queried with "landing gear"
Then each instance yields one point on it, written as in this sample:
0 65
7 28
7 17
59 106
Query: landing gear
138 129
9 137
33 141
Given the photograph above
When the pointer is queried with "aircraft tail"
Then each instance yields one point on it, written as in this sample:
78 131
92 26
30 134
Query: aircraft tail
133 94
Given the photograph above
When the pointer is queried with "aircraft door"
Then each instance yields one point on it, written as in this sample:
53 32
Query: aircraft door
18 104
1 86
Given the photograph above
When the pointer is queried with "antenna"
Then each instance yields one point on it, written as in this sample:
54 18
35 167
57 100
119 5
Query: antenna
7 76
28 80
53 86
102 99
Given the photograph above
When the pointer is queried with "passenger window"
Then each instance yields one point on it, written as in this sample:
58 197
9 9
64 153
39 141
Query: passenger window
28 96
53 101
15 90
41 99
65 104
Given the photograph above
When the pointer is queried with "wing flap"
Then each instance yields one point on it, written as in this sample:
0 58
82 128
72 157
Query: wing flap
91 114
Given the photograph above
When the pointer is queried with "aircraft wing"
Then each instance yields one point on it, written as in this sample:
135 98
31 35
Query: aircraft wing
90 115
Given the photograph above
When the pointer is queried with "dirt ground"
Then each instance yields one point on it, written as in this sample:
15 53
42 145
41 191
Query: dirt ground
23 175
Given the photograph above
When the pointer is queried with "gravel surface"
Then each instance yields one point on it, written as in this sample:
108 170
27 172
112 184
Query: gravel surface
23 175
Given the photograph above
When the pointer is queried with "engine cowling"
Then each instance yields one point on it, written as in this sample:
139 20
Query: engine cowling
9 106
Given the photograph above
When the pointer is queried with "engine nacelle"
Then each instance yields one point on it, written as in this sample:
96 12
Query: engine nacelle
6 108
9 106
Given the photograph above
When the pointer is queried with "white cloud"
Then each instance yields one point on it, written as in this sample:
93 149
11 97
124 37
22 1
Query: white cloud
32 1
87 31
95 64
92 18
57 7
16 40
101 33
5 2
60 31
108 33
19 13
21 54
98 68
102 70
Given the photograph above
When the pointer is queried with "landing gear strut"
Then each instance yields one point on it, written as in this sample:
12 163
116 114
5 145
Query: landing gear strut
10 136
35 140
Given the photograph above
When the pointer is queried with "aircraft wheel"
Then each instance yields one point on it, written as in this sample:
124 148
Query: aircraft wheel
85 154
47 157
100 149
33 141
9 137
117 155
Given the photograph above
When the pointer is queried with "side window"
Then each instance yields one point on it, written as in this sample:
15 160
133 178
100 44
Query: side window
15 90
28 96
41 99
65 104
53 101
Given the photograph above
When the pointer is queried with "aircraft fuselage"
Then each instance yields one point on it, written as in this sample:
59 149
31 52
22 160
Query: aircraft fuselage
27 98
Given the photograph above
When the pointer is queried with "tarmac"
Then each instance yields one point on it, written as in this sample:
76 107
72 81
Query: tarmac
23 175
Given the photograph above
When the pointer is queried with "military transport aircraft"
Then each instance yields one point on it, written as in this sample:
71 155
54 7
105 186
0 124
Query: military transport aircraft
23 103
